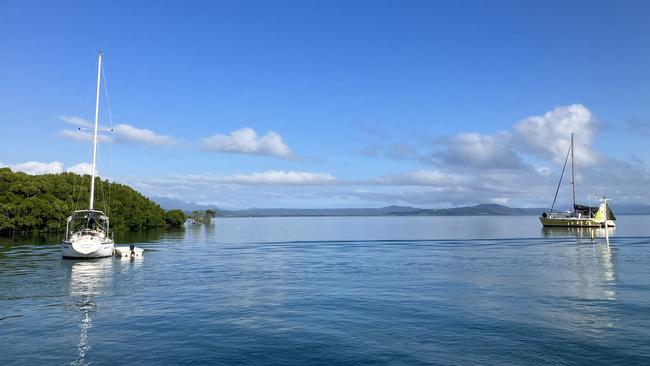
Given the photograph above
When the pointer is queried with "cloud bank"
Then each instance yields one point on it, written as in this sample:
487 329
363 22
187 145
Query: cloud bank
536 139
81 168
419 178
519 166
271 177
36 167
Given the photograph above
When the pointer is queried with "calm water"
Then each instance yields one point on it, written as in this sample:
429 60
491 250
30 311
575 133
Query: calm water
306 291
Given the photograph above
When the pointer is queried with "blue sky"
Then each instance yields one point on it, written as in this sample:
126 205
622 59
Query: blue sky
334 103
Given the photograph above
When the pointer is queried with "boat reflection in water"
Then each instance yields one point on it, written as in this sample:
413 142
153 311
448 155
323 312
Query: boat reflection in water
594 259
88 280
578 232
583 280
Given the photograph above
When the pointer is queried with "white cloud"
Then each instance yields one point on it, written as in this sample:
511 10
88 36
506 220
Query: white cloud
481 151
543 171
83 136
271 177
421 178
549 135
81 168
281 177
499 200
55 167
129 133
77 121
526 187
246 141
121 133
546 137
35 167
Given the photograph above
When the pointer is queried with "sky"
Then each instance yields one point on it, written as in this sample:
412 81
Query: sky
329 104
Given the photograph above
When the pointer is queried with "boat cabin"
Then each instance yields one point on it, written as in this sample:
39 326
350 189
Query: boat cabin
87 223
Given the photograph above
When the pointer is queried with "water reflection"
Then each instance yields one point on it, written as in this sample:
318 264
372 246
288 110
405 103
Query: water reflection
578 232
134 237
595 267
87 280
609 275
586 293
199 233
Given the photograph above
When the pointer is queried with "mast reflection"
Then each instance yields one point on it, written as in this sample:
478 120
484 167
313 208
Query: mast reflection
88 279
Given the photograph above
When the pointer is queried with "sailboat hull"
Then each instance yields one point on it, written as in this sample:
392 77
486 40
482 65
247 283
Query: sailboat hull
574 222
87 249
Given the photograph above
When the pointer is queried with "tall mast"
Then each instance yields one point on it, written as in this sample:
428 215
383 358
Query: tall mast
573 174
92 180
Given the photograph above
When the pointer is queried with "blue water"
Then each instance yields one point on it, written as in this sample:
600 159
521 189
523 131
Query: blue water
329 291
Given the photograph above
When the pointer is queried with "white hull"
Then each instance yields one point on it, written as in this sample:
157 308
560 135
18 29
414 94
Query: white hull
574 222
87 250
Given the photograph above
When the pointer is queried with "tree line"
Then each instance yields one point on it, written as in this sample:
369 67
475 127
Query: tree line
42 203
202 217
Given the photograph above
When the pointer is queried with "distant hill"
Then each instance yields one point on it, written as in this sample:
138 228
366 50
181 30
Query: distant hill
171 204
484 209
393 210
477 210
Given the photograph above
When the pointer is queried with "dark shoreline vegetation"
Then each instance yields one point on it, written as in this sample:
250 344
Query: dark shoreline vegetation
32 204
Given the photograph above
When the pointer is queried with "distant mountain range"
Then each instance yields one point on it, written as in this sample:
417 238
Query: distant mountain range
482 209
173 204
485 209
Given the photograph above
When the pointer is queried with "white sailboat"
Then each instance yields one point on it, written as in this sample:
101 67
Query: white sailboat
581 216
87 231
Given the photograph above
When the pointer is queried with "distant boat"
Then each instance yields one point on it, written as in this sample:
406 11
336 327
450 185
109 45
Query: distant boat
87 231
581 216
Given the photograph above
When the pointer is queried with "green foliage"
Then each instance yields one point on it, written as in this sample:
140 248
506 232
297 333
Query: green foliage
43 202
175 218
202 217
208 215
196 217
